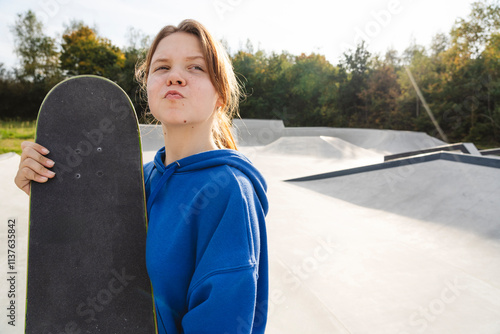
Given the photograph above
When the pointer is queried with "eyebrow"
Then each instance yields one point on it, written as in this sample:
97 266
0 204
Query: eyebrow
195 57
161 60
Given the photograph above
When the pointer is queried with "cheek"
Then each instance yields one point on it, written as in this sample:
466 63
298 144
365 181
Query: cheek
151 90
211 94
153 82
149 86
152 102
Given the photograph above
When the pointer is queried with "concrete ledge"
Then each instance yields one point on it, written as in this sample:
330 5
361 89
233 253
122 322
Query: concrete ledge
468 159
468 148
491 151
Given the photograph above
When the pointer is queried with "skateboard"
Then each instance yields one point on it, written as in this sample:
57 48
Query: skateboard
87 233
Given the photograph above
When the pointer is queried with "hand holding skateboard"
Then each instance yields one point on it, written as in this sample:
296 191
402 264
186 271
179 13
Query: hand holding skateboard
34 166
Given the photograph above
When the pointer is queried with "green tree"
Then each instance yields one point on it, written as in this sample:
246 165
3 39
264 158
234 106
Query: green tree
423 69
135 52
251 71
84 52
381 98
277 86
311 81
354 71
37 52
22 90
471 35
471 77
491 87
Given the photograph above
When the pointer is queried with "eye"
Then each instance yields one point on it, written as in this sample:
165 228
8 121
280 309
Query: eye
197 67
163 67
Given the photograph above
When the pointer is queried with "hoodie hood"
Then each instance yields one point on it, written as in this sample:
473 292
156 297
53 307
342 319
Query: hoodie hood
205 160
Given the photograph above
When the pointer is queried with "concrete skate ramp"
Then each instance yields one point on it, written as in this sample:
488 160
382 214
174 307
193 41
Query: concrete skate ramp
317 146
151 137
257 132
380 141
248 132
414 249
407 161
443 192
406 250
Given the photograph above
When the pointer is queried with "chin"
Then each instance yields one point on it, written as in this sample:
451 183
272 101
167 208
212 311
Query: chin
171 118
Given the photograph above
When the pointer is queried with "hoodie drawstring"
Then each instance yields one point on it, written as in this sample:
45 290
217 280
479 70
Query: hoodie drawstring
160 185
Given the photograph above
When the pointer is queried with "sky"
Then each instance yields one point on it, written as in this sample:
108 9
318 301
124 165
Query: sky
325 27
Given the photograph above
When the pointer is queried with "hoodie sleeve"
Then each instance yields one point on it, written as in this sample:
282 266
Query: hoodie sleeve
228 291
226 303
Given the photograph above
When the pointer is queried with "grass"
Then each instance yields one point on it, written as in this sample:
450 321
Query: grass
13 133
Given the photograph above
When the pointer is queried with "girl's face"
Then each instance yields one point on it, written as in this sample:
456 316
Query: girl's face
179 87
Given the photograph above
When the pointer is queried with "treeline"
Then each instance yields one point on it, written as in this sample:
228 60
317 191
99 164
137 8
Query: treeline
44 62
458 75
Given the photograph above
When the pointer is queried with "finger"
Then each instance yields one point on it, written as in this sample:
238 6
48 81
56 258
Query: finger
26 189
38 169
23 185
28 174
30 153
35 146
24 177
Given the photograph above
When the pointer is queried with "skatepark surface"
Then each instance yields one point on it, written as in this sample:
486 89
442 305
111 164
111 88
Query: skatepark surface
414 248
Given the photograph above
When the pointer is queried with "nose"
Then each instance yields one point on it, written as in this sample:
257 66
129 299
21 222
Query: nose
175 78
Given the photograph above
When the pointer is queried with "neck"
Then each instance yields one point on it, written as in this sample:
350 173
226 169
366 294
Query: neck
185 140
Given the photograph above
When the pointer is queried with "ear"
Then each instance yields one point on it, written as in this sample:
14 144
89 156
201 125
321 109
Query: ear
219 103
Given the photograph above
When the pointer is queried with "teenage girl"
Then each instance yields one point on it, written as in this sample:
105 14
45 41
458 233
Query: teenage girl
206 250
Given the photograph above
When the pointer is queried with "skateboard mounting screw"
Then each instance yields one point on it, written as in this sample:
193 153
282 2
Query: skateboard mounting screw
77 176
99 149
78 151
100 173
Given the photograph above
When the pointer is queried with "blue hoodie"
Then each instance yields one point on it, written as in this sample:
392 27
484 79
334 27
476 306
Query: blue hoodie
206 249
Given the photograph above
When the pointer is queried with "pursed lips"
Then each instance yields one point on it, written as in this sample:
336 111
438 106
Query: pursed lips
173 95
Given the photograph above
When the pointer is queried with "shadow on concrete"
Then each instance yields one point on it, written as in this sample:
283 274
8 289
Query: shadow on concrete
454 194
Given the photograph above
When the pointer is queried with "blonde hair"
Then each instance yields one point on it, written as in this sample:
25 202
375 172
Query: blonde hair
221 74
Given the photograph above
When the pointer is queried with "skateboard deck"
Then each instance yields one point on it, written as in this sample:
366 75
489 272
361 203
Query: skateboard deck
86 253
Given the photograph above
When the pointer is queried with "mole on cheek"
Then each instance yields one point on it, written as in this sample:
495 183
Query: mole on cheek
184 121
